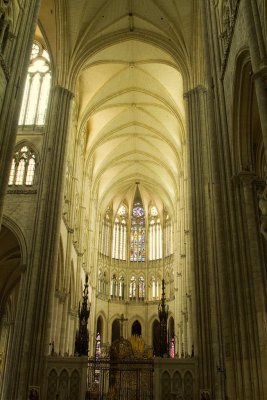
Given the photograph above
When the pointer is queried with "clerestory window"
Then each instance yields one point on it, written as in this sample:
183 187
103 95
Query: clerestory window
23 167
37 88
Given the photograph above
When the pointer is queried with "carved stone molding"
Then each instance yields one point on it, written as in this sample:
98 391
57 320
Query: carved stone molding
62 295
195 90
73 312
66 223
246 178
21 191
227 34
263 208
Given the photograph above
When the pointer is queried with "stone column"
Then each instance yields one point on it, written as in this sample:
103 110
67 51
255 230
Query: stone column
26 364
11 101
253 287
198 229
207 232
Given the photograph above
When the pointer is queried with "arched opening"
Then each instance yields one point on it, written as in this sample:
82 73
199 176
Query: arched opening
10 274
248 142
136 328
165 385
156 338
115 330
99 326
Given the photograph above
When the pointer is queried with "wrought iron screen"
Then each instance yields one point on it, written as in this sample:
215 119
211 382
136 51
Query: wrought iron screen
123 380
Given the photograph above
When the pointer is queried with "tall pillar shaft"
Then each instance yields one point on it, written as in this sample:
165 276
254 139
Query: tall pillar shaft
208 232
29 345
198 227
254 276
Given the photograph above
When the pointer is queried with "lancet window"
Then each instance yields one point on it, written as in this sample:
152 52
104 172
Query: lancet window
130 238
37 88
105 239
119 239
23 167
168 236
155 235
137 243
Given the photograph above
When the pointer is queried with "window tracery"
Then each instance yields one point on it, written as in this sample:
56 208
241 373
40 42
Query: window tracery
37 88
22 170
113 286
132 293
137 240
119 239
155 235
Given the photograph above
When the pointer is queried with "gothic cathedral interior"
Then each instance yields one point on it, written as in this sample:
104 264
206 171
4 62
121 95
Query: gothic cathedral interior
133 199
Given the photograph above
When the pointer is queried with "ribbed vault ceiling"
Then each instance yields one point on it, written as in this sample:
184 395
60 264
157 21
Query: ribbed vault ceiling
129 91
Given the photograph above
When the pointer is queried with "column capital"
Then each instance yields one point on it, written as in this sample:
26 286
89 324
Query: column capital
246 178
64 91
196 90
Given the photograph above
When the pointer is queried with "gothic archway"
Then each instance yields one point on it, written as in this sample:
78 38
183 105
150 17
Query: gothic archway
156 337
115 330
136 328
10 274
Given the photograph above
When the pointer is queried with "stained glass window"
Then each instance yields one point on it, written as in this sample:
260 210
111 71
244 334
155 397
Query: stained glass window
172 348
137 244
98 346
23 167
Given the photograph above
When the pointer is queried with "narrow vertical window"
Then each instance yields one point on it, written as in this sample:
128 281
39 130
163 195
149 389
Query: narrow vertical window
20 172
137 245
155 235
37 88
105 241
12 173
119 238
30 171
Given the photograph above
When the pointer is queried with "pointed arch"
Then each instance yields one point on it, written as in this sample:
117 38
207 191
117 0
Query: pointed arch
156 337
136 328
23 170
248 149
37 88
